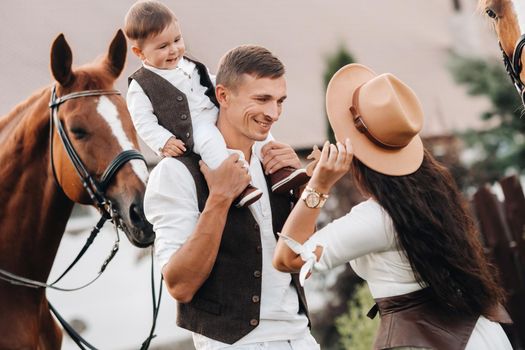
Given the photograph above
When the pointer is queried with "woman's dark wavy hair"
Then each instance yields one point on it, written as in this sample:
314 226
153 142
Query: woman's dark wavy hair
437 233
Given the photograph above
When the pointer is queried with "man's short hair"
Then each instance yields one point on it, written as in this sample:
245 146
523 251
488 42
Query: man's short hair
147 18
248 59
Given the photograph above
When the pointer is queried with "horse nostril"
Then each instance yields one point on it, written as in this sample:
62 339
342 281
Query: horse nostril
136 215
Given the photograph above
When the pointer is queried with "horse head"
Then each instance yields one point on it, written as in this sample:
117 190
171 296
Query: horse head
508 17
99 128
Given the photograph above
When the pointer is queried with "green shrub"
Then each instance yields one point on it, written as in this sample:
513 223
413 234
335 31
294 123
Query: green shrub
356 330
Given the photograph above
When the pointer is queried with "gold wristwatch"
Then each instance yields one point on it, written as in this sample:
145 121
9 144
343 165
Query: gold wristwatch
313 199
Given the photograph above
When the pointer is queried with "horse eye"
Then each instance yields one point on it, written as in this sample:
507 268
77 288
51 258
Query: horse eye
79 133
491 14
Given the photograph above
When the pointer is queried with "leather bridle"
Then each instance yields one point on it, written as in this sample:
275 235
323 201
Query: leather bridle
514 66
96 189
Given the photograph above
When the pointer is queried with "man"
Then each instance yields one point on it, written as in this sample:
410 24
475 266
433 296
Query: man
217 259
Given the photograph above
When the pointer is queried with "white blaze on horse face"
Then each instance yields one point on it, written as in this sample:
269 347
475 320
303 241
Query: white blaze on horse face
519 8
109 112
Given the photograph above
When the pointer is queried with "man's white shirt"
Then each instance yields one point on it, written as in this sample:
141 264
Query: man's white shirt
170 204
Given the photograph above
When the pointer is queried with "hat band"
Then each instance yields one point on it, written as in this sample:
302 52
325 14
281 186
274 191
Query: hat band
361 126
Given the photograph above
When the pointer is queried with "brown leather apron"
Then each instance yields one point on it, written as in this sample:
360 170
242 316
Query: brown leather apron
414 320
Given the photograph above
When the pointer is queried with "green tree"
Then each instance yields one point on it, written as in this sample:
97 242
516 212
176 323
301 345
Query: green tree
357 331
333 62
502 147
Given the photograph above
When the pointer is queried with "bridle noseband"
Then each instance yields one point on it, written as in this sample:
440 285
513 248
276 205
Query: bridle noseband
513 66
96 189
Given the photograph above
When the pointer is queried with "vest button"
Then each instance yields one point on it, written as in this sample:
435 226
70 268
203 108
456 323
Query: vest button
256 299
183 117
254 322
257 274
256 226
259 249
187 134
179 98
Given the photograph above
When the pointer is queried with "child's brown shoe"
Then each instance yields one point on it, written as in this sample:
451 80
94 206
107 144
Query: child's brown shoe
250 195
288 178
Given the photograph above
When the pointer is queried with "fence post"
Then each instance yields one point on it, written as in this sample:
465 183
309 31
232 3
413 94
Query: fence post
514 206
497 237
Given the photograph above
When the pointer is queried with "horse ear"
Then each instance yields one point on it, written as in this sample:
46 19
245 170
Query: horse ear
61 60
117 54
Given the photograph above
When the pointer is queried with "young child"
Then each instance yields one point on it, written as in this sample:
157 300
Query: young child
172 101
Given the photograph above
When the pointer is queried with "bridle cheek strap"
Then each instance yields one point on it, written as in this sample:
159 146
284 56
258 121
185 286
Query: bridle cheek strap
514 66
95 189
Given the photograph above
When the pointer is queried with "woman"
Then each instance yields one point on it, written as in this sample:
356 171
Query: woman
413 240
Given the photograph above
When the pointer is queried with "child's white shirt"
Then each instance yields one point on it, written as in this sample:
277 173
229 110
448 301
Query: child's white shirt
208 141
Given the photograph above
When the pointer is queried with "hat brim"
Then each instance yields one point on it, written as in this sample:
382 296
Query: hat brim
397 162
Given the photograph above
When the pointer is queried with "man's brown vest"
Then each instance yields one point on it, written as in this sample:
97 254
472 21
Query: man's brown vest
170 105
227 306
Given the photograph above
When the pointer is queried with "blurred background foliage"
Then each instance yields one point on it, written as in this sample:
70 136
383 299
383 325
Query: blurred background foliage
333 62
499 149
356 330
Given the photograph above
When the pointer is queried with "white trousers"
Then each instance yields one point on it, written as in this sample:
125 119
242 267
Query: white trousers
306 343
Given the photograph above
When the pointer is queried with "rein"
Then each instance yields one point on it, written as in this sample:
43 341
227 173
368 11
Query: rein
513 66
96 190
27 282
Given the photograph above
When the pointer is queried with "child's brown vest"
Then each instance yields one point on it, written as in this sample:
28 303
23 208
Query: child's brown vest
170 105
227 305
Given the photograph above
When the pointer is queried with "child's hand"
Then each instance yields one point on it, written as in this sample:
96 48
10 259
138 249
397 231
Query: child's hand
173 148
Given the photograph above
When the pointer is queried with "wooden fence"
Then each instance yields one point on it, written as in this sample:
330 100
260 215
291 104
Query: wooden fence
502 226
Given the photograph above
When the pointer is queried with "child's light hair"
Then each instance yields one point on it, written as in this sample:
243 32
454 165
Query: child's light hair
146 19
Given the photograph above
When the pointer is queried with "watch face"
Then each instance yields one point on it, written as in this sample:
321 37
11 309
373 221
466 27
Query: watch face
312 200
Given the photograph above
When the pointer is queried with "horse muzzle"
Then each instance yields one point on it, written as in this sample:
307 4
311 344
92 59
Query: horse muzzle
132 221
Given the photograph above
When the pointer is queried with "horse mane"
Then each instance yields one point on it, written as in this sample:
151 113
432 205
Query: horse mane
13 118
21 107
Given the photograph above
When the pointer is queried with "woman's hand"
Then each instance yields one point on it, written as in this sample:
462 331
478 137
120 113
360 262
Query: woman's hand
334 163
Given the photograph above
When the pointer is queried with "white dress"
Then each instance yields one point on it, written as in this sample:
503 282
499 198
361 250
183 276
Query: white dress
365 237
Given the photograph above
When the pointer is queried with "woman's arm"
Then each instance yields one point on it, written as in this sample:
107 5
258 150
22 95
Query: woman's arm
300 225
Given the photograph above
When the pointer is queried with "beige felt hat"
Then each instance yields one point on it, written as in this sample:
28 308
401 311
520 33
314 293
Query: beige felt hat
382 117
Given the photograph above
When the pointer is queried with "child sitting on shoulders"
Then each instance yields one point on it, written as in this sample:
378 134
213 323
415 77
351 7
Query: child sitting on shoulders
171 98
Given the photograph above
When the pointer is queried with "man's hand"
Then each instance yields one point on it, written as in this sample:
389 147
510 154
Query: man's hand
190 266
173 148
228 180
277 155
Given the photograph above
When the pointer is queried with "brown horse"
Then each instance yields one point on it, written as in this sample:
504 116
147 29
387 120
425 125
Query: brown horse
508 17
37 194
